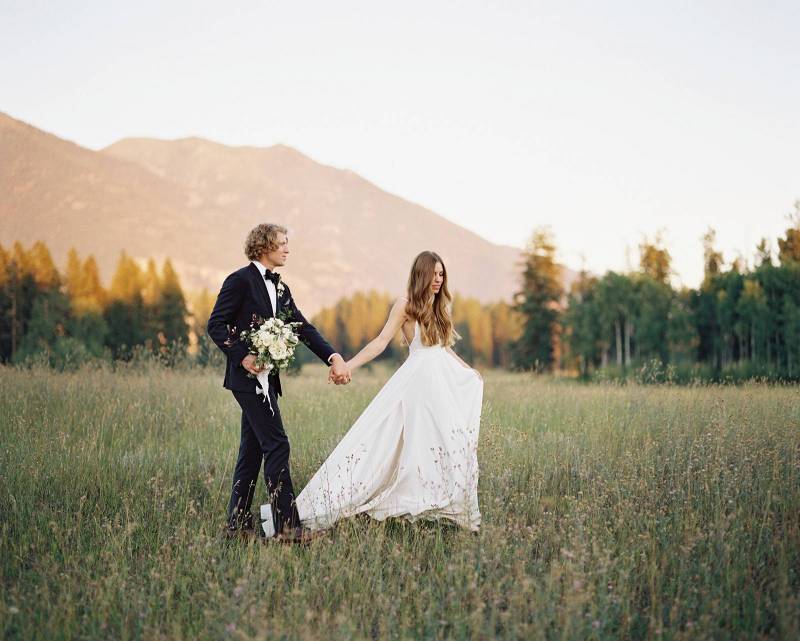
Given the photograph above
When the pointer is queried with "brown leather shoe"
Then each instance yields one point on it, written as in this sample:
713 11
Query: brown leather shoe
299 535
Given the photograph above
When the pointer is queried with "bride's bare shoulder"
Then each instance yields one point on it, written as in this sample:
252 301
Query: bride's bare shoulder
398 315
401 306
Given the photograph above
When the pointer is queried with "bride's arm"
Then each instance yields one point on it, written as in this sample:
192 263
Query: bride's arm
376 346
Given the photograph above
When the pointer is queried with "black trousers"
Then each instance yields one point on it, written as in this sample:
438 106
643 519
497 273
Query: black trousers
262 438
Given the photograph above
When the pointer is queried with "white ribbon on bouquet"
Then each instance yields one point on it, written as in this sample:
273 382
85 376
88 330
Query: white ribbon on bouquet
263 380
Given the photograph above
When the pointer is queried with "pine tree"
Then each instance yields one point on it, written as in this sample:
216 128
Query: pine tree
379 305
326 321
355 317
151 285
763 253
5 259
789 247
171 308
151 298
704 304
126 284
654 298
582 328
47 324
38 309
21 290
654 259
92 290
506 329
125 314
463 346
712 259
83 286
20 260
200 306
41 266
73 274
750 327
470 314
538 302
682 335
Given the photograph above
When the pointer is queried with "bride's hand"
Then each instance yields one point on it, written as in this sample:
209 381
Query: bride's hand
338 379
340 372
347 376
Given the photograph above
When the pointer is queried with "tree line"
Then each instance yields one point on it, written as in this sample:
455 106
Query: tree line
487 331
70 317
741 322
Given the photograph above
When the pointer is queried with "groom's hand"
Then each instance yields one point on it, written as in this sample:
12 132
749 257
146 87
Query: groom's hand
249 363
339 372
344 379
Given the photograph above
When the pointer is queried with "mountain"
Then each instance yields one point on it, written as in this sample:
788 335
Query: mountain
68 196
346 234
194 201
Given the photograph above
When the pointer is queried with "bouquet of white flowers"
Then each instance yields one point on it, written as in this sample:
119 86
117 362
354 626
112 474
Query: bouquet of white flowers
272 342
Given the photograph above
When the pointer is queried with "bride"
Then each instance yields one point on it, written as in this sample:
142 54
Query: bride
413 451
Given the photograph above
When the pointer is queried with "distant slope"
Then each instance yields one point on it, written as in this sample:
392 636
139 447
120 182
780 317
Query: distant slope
346 233
69 196
194 201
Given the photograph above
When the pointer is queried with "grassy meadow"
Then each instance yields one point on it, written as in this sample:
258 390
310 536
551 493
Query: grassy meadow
609 512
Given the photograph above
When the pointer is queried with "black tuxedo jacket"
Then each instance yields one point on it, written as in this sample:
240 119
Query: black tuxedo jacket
243 294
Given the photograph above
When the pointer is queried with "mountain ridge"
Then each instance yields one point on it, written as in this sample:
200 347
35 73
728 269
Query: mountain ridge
194 200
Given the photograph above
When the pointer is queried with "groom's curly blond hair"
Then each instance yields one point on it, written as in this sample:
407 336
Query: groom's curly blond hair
262 238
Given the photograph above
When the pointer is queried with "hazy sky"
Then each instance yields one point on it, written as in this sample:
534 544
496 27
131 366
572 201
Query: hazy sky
604 120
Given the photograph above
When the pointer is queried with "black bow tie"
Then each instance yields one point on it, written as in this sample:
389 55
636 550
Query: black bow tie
273 276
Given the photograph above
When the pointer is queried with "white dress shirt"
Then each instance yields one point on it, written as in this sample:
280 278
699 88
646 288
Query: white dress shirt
270 286
273 294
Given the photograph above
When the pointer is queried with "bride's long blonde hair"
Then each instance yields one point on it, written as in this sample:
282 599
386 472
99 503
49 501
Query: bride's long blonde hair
435 322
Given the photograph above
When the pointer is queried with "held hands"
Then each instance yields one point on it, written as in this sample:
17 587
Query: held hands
339 372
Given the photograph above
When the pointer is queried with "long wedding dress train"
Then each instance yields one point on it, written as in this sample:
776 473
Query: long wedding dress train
413 451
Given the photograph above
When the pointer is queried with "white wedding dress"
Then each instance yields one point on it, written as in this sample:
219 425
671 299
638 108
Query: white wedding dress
413 451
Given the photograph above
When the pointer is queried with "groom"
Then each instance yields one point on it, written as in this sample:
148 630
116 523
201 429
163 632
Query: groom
257 290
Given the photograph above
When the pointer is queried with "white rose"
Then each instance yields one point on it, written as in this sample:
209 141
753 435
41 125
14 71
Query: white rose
277 351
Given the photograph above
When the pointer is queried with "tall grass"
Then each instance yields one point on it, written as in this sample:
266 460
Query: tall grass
609 512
